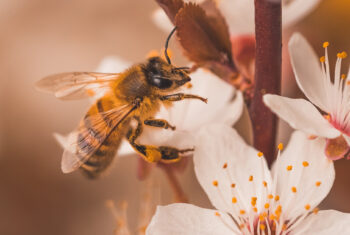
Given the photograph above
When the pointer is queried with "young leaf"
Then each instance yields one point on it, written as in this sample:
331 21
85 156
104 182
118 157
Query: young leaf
171 7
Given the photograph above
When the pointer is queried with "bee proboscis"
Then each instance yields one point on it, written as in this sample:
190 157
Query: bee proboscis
135 94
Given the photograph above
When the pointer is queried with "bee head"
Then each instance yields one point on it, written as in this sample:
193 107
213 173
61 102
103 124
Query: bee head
165 76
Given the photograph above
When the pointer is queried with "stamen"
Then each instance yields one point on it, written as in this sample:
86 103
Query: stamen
242 212
262 227
262 216
215 183
233 185
265 183
253 202
277 198
325 44
260 154
289 168
267 205
251 178
217 214
234 200
318 183
255 209
272 217
294 189
322 59
225 165
315 210
307 207
343 76
280 146
270 196
305 164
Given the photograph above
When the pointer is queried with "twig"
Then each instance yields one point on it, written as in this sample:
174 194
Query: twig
180 195
268 32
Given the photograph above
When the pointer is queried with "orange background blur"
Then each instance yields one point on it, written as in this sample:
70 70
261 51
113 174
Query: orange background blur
42 37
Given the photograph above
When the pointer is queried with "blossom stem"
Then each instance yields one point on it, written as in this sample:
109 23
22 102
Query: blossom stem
180 195
268 33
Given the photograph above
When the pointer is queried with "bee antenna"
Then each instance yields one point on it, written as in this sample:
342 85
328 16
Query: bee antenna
167 43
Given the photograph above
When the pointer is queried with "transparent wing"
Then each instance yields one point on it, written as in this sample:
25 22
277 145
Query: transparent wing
76 85
87 139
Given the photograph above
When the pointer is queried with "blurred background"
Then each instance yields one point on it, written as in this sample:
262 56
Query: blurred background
42 37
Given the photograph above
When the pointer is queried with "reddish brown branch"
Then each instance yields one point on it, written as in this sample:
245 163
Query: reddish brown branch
180 195
268 32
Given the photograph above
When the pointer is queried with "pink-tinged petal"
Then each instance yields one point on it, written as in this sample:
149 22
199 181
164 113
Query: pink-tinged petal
162 21
227 167
296 10
301 115
325 223
307 69
304 175
336 148
186 219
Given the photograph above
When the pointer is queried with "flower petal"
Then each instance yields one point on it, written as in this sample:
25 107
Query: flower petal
307 70
222 158
325 223
296 10
304 175
162 21
186 219
113 64
301 114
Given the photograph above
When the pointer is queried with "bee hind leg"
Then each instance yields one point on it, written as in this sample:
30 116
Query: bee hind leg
159 123
152 153
182 96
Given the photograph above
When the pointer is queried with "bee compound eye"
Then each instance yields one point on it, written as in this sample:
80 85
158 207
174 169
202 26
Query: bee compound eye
161 83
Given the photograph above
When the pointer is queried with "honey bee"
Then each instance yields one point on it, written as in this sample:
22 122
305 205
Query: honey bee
135 94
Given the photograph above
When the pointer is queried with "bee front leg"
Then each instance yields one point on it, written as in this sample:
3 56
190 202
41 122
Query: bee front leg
153 153
159 123
182 96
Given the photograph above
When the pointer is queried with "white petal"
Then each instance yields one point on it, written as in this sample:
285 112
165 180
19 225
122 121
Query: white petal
307 69
301 114
186 219
125 149
304 178
296 10
189 115
220 144
66 142
113 64
325 223
239 15
162 21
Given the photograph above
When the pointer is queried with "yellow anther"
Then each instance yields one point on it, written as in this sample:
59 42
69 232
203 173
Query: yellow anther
348 83
265 183
307 207
251 178
270 196
294 189
242 226
262 227
267 205
242 212
255 209
280 146
260 154
189 85
262 216
277 198
253 202
225 165
215 183
233 185
305 163
234 200
325 44
344 55
318 183
272 217
217 214
322 59
343 76
278 210
315 210
289 168
284 227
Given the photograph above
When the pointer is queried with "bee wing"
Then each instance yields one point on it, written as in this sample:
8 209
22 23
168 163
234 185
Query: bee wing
76 85
87 139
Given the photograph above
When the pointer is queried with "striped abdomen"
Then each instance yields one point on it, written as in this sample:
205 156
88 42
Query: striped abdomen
98 138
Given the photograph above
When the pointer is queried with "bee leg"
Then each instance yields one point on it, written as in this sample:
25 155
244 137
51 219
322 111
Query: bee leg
182 96
153 153
159 123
